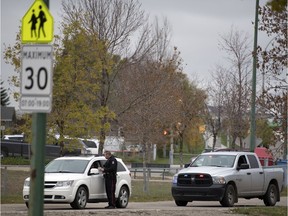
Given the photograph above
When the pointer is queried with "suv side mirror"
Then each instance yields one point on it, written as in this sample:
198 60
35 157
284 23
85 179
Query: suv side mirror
94 171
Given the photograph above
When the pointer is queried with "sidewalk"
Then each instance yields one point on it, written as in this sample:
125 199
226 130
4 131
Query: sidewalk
16 167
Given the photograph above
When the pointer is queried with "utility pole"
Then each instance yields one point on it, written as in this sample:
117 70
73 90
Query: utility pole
253 97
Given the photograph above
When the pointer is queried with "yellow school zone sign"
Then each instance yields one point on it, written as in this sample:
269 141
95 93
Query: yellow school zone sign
37 24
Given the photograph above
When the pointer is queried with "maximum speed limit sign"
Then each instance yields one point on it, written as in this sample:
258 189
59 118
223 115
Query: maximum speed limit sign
36 78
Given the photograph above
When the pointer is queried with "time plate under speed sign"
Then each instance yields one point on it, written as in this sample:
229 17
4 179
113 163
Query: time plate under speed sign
36 78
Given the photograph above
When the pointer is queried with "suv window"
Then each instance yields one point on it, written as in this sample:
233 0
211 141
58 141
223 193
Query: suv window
120 167
253 161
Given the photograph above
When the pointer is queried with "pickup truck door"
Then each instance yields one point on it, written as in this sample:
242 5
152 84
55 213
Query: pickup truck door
243 177
257 174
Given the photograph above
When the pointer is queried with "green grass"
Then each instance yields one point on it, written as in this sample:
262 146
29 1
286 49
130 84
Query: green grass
18 161
12 185
157 191
261 211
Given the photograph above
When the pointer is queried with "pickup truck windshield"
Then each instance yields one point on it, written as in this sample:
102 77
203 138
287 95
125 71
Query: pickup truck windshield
66 166
214 160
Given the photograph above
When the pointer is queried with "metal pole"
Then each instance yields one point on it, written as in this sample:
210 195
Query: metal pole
253 97
37 164
36 193
171 146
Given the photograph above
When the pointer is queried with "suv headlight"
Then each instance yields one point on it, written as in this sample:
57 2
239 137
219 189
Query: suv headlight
218 180
64 183
26 183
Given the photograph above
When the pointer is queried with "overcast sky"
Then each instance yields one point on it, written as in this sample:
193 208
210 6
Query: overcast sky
196 28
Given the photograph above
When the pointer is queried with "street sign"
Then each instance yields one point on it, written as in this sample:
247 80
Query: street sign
36 78
37 24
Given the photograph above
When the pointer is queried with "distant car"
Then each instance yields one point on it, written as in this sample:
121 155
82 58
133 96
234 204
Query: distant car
14 137
92 145
77 181
74 146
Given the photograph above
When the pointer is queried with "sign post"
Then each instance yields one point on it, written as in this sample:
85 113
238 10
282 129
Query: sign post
36 91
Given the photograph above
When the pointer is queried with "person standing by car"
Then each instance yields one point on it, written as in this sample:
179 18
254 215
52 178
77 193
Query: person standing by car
109 173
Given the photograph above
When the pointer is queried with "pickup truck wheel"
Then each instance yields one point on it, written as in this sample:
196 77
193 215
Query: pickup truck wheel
270 197
181 203
229 196
80 200
123 197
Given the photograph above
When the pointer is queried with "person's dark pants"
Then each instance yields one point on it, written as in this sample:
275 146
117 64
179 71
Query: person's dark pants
110 185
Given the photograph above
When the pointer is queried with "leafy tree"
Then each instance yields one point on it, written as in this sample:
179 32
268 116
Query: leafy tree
277 5
4 96
76 76
265 132
190 114
273 66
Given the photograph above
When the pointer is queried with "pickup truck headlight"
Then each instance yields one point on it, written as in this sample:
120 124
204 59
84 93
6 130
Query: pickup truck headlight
64 183
174 180
218 180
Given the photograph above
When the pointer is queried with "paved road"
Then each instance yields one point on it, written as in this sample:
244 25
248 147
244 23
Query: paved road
138 209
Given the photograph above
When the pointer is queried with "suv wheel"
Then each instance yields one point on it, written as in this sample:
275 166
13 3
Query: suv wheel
123 197
80 200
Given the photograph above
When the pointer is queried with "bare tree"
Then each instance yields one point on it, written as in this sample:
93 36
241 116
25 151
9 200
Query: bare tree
217 94
116 24
237 46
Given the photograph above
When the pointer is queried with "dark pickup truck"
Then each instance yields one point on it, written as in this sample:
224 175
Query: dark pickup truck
16 148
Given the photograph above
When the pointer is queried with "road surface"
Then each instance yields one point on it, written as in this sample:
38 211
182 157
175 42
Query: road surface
139 209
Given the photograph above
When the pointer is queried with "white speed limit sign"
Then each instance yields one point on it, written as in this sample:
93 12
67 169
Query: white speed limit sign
36 78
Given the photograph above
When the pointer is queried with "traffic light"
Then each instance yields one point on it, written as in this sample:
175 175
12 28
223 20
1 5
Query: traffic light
165 133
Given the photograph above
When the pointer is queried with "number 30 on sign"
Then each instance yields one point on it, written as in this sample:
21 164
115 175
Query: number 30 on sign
36 78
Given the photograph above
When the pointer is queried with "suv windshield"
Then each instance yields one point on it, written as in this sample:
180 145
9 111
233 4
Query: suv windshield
66 166
214 160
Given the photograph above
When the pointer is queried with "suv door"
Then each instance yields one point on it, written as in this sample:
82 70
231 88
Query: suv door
97 189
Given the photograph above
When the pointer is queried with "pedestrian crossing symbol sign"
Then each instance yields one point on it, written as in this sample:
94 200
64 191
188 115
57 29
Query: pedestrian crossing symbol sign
37 24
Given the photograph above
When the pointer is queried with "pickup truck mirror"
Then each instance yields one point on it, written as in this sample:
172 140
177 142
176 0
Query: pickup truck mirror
186 165
94 171
243 166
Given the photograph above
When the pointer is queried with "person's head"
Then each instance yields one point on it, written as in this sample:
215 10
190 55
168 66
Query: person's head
107 154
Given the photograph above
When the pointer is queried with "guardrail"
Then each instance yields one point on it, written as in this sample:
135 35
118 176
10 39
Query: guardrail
164 170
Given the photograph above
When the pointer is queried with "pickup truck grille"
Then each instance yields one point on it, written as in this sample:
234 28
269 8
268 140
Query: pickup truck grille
50 184
200 180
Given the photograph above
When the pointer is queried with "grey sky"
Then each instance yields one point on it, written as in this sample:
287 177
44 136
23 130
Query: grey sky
196 26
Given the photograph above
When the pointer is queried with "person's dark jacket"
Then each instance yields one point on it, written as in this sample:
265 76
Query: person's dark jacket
110 167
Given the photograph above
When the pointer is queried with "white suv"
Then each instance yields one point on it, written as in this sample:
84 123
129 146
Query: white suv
77 180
